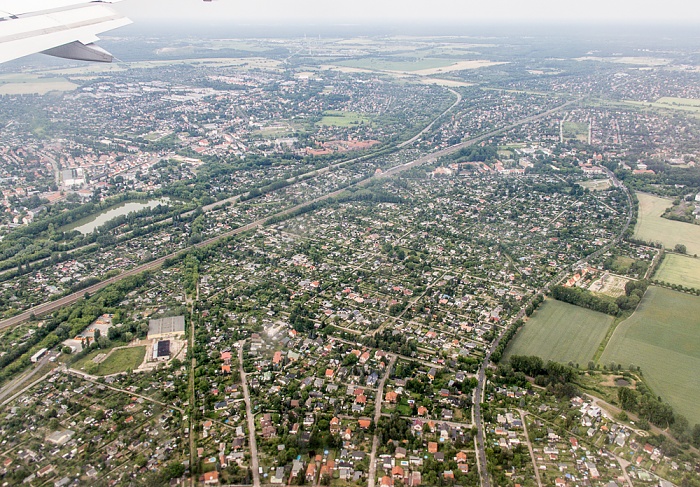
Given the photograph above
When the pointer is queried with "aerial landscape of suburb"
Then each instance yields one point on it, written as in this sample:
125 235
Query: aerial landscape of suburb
352 254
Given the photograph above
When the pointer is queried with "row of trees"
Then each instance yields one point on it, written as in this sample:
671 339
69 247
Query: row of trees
585 299
503 344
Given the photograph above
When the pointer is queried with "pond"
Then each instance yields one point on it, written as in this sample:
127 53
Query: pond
89 223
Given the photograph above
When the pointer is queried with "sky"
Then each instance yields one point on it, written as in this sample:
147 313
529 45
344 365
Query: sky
400 11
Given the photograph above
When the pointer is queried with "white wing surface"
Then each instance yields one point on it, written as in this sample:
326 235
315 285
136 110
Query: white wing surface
62 28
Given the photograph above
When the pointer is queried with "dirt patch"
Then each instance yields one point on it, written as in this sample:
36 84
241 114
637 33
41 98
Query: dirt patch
610 285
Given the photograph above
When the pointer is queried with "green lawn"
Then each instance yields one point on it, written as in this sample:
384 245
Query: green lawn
679 269
663 338
652 228
561 332
336 118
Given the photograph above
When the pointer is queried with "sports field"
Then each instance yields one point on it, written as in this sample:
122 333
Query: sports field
561 332
679 269
652 228
663 338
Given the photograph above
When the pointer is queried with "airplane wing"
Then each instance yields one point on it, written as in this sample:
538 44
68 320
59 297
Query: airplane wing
61 28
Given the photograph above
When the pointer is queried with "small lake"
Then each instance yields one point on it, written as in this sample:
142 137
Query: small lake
89 223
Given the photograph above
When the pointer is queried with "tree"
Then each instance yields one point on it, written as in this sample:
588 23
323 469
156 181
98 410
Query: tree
680 248
696 436
91 367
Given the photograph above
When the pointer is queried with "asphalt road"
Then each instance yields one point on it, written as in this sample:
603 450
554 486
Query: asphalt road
371 482
254 465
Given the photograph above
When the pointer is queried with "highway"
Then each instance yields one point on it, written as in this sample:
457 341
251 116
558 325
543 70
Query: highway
51 306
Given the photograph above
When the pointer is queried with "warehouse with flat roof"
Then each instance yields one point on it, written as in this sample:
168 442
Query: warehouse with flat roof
166 327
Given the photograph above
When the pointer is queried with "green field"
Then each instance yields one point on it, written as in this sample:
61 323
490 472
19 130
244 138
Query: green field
561 332
678 269
682 104
652 228
575 130
118 361
663 338
691 102
334 118
123 360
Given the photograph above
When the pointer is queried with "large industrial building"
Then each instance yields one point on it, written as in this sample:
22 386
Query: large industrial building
166 327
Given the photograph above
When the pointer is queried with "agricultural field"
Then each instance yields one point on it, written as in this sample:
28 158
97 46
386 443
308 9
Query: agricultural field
679 269
652 228
335 118
31 84
561 332
415 64
663 338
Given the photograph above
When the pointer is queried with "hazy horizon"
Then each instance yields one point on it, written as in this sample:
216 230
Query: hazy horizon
236 29
362 11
